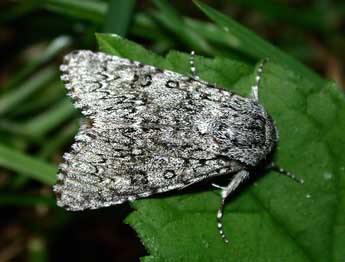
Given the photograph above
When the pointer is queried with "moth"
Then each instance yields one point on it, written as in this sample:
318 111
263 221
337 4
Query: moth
148 130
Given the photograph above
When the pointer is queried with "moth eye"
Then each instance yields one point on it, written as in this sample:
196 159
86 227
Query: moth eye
172 84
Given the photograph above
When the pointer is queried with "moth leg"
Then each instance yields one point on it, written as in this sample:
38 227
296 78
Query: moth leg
255 88
192 65
218 186
282 171
226 191
186 185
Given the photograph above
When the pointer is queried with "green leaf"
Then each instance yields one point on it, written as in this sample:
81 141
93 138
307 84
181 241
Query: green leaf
115 45
274 219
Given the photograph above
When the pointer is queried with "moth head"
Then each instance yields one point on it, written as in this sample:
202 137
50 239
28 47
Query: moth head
245 132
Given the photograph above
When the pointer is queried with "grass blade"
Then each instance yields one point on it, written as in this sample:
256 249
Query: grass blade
171 19
53 49
92 11
30 166
43 123
251 44
37 250
118 16
61 139
25 200
53 93
11 99
19 9
314 16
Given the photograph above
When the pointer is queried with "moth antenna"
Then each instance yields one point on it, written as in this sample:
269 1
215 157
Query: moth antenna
284 172
226 191
255 88
192 65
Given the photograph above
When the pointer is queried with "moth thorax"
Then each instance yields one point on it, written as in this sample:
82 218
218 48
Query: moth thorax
247 137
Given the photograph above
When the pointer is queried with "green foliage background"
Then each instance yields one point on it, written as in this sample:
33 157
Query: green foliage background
272 219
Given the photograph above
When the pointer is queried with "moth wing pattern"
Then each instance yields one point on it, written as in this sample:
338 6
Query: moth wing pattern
146 131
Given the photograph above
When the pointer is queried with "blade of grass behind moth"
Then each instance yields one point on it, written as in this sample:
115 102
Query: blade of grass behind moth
25 200
306 19
19 9
119 16
18 182
211 32
37 249
16 129
48 149
145 26
52 50
30 166
50 119
93 11
50 95
64 136
174 22
248 42
35 128
220 41
11 99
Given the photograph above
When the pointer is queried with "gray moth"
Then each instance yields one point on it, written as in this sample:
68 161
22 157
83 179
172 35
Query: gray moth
148 130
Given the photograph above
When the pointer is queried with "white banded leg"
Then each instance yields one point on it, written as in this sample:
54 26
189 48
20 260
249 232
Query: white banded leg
226 191
192 65
255 88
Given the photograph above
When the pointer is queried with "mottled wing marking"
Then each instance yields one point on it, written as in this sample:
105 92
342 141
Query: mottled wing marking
101 171
148 133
